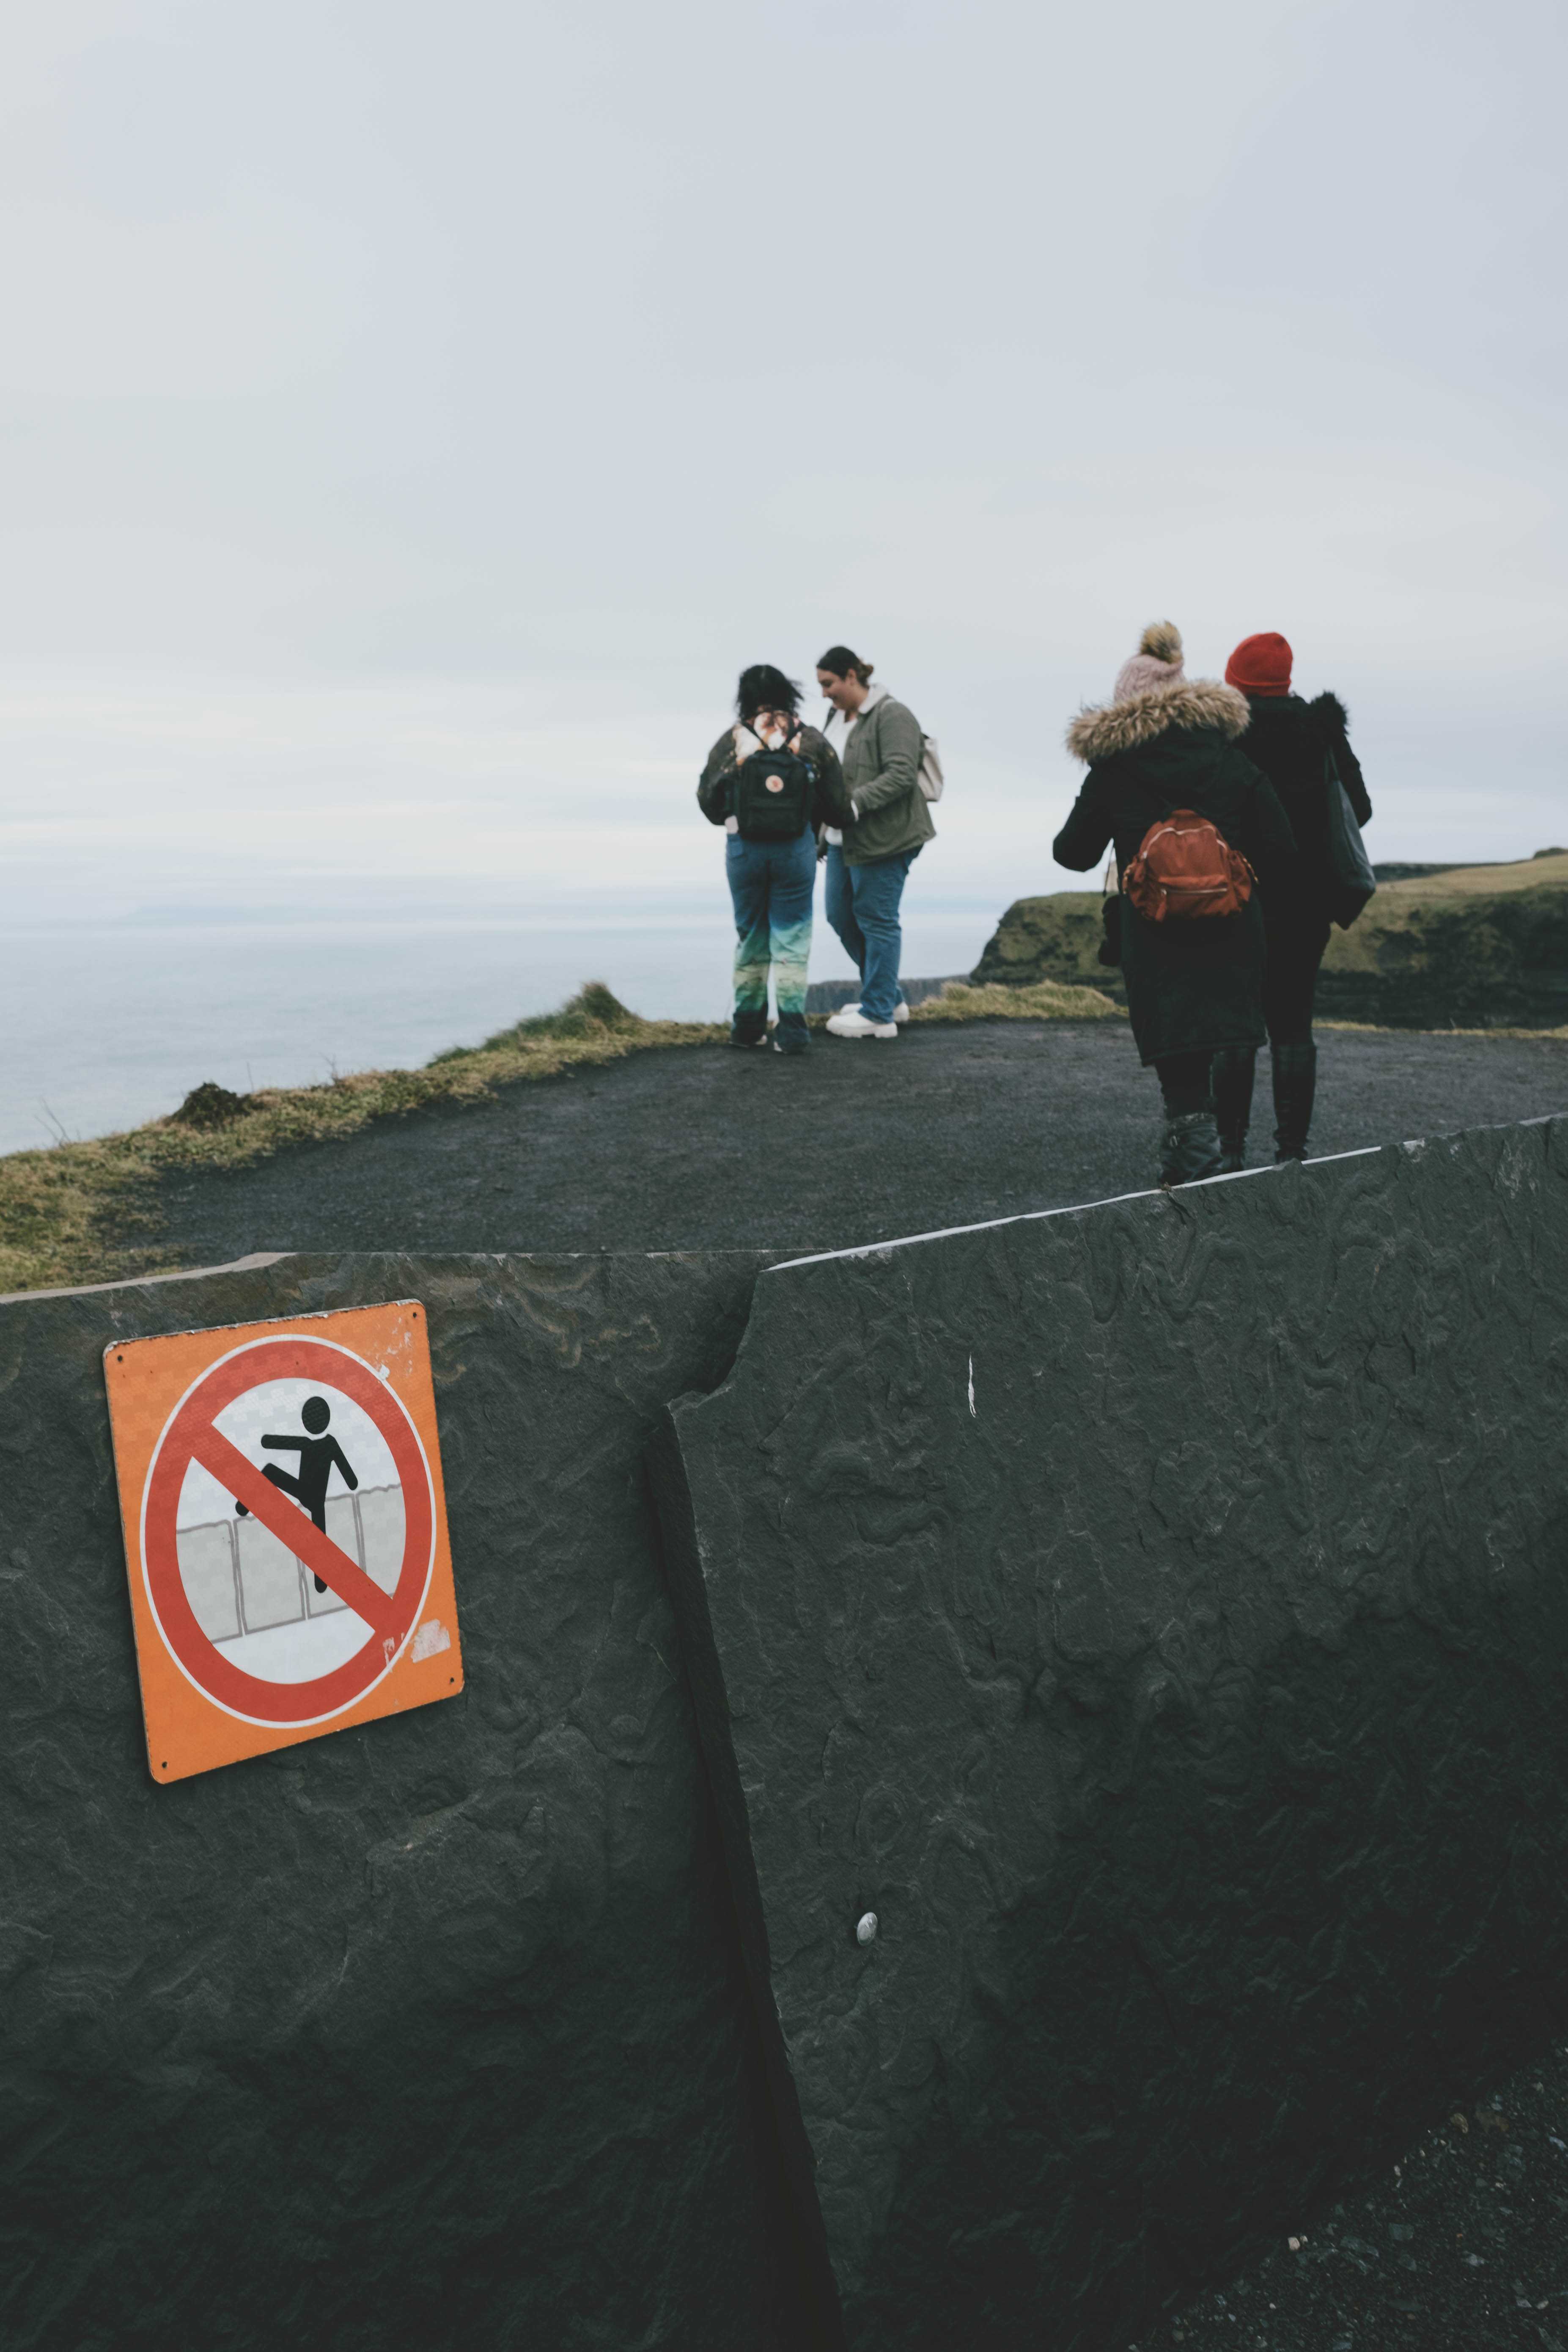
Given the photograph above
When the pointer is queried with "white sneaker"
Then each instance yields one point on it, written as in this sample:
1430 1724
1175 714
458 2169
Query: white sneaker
852 1022
900 1010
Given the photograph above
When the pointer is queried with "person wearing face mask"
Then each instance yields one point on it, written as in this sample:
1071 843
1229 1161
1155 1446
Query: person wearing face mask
772 783
889 823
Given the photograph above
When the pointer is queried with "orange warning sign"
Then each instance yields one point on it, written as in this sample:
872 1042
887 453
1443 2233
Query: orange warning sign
285 1531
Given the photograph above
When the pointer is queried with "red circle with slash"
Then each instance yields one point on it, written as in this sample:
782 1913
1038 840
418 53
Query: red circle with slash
191 1434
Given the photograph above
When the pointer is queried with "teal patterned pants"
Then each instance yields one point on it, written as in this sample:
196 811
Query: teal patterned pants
771 884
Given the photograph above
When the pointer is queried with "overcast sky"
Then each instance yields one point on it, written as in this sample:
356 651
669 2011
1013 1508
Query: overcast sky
413 416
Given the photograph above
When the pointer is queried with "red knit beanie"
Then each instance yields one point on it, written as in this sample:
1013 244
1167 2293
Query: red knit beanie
1261 665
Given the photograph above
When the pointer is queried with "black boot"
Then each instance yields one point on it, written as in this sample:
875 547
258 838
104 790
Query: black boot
1233 1069
1189 1147
1295 1083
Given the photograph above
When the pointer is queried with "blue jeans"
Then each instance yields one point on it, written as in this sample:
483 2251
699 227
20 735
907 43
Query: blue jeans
771 883
862 904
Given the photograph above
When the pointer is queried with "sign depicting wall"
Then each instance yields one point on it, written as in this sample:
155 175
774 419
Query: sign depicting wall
285 1531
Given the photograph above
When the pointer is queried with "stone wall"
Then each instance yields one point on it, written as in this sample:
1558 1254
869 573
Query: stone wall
429 2032
1156 1615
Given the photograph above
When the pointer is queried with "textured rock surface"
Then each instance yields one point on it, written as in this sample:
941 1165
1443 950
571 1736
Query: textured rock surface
1476 962
1157 1615
429 2032
1055 937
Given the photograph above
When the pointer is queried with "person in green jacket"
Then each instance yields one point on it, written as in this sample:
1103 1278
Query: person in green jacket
868 859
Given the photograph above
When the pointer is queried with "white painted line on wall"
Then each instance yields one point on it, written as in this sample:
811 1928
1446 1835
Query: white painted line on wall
1040 1216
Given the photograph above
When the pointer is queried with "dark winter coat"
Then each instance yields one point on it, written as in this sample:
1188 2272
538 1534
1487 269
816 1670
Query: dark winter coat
1196 984
716 793
1288 739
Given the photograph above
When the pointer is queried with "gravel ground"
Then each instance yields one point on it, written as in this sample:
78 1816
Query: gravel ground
702 1147
1459 2248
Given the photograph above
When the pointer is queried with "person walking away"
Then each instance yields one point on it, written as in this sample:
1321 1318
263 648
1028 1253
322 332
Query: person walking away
1167 785
1293 743
888 824
771 782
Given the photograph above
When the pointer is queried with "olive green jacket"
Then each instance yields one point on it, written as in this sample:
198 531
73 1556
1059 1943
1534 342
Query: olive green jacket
882 779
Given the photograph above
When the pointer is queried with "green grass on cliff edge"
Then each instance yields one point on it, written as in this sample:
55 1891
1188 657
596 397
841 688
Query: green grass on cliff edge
79 1212
1475 947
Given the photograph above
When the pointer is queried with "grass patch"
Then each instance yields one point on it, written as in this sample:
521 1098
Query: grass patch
79 1212
1043 999
1380 1029
1548 870
86 1212
1480 948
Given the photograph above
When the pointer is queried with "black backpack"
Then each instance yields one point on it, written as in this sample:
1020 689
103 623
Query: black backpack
774 792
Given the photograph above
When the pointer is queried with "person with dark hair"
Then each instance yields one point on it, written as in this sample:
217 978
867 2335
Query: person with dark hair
1192 821
1301 747
771 782
869 856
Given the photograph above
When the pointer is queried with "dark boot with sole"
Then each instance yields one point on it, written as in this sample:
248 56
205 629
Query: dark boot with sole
1233 1073
1295 1084
1189 1147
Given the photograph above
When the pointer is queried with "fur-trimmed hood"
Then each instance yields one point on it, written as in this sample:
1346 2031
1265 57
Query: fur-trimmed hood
1124 726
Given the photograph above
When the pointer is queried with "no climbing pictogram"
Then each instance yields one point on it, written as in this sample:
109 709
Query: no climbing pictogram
285 1531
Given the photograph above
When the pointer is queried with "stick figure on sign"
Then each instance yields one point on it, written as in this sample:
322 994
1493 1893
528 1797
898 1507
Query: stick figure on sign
317 1456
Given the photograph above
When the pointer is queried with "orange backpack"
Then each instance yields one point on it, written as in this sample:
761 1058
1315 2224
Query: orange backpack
1184 866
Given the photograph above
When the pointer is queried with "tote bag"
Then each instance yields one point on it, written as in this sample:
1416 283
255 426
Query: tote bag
1352 882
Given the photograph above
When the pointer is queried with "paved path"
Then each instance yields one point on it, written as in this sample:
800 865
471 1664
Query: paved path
1459 2249
701 1147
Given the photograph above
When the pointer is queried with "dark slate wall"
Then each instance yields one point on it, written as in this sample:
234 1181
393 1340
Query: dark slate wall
1158 1615
426 2032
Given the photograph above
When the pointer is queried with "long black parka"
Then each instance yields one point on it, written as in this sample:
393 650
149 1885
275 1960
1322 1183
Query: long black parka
1290 741
1196 985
